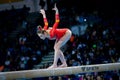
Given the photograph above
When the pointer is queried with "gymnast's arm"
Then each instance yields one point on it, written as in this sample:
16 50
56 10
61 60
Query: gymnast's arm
42 11
57 19
55 25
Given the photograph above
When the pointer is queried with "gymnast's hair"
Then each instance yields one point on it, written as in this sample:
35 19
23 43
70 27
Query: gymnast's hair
40 30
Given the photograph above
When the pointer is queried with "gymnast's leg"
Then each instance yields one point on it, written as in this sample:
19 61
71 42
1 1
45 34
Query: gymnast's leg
62 42
58 53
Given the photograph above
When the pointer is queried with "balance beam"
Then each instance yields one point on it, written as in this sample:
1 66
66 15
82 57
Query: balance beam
59 71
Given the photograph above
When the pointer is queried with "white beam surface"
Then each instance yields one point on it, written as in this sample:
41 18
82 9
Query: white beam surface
59 71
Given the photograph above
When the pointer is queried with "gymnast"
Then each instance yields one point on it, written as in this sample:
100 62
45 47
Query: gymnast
61 36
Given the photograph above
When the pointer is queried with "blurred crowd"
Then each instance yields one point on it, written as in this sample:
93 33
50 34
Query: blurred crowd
98 45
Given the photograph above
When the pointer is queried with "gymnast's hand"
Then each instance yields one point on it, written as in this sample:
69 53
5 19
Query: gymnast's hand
55 7
42 11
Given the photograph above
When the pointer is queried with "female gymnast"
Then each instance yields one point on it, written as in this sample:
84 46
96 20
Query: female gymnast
60 35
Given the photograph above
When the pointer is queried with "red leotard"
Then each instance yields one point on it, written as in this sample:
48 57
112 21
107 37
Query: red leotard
54 32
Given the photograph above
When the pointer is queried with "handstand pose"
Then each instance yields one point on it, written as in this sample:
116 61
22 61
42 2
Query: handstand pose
60 35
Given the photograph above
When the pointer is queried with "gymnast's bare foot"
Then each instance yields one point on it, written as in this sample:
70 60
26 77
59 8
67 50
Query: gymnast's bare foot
52 66
63 65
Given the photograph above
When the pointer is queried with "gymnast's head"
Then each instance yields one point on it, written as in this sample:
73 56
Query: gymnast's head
41 32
